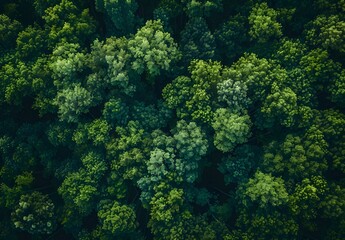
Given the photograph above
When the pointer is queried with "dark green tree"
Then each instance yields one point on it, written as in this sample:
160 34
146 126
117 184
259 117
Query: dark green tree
120 14
197 41
35 214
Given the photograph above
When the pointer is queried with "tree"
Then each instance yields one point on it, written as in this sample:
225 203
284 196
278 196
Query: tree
234 94
263 191
192 97
117 219
197 42
121 13
116 112
201 8
66 23
59 134
30 44
111 64
264 200
230 129
189 133
72 102
258 74
290 53
275 225
279 107
333 205
79 190
305 201
319 68
9 30
336 89
263 23
153 49
67 62
15 84
151 117
173 159
237 167
331 123
97 131
328 32
128 151
231 37
11 195
171 219
191 145
41 5
35 214
338 155
298 156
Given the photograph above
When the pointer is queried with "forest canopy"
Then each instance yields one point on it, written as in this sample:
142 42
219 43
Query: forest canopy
172 119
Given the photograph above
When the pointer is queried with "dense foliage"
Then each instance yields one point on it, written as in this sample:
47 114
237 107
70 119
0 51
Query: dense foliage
172 119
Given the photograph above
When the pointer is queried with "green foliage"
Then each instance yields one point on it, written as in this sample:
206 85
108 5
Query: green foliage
201 8
305 201
280 106
263 23
264 191
151 117
15 82
231 36
290 53
79 189
331 123
66 23
30 42
234 94
298 156
336 89
319 68
94 165
230 129
257 73
173 159
190 141
9 30
197 42
269 226
10 195
333 204
111 62
35 214
237 167
338 155
115 129
328 32
72 102
153 49
128 151
120 12
67 61
192 97
117 219
96 131
171 220
165 208
115 112
59 133
41 5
